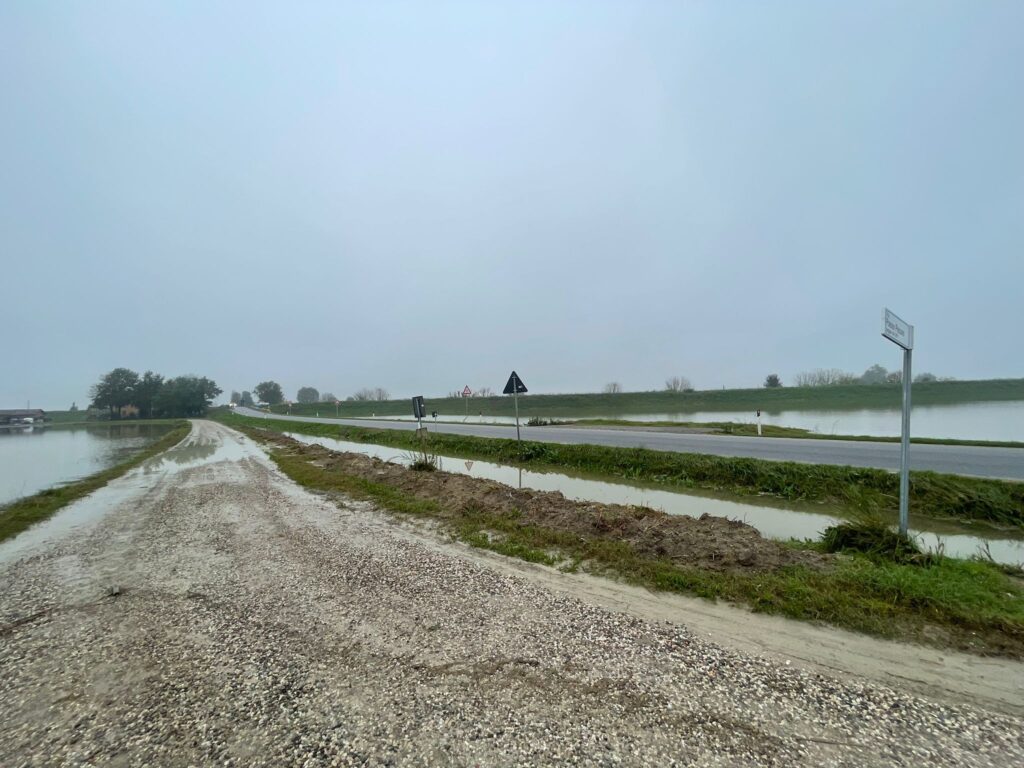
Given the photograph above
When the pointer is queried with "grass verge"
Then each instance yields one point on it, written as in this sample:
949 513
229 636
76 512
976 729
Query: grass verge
744 429
968 605
21 513
950 497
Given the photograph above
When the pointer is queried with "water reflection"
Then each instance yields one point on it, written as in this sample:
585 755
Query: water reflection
966 421
36 457
774 519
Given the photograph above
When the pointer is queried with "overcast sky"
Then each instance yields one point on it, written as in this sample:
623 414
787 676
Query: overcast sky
426 195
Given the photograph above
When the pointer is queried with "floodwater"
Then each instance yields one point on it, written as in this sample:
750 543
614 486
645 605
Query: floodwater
966 421
779 520
35 458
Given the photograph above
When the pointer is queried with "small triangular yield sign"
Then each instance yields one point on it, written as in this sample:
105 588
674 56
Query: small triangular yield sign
469 466
514 386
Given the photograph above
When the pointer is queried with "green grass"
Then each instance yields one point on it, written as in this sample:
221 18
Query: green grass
21 513
840 397
963 604
853 488
749 429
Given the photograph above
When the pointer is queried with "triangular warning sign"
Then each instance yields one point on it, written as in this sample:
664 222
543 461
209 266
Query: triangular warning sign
515 385
469 466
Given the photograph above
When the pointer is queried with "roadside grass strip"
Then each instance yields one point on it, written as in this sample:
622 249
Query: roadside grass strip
858 489
964 604
19 514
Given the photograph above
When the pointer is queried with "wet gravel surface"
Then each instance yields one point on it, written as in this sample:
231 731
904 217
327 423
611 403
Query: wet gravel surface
256 624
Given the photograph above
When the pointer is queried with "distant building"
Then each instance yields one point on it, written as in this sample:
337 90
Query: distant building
22 416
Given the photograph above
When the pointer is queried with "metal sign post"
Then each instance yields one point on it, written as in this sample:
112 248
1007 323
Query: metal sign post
901 333
419 410
514 387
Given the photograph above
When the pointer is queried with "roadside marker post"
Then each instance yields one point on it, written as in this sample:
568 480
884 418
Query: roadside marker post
419 410
514 387
466 394
901 333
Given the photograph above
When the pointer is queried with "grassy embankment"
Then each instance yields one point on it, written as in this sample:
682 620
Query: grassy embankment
578 406
82 419
21 513
857 489
748 429
968 605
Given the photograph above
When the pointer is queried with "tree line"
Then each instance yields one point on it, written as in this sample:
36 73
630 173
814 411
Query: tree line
125 394
271 393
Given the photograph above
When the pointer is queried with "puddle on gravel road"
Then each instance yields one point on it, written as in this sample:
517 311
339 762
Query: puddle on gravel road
772 519
85 512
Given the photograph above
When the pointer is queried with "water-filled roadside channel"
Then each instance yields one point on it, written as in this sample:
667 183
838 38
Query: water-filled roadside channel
773 519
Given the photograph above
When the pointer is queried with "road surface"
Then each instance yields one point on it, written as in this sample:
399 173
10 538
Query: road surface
205 610
1001 463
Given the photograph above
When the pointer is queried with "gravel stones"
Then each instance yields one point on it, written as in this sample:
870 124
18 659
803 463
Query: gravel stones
258 624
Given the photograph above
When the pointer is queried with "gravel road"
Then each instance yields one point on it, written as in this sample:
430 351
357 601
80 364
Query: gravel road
254 623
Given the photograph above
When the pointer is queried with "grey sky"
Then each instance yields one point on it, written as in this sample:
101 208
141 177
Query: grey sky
420 196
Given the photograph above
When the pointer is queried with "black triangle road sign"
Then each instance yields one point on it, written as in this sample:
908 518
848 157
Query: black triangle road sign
515 385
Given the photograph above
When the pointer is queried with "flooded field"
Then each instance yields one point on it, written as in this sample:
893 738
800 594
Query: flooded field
968 421
35 458
773 519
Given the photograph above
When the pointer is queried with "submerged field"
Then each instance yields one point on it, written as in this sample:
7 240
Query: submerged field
840 397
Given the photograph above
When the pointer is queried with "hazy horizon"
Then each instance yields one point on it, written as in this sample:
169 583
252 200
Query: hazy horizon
421 197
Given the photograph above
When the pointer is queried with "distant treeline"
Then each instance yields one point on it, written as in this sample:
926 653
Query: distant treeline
125 394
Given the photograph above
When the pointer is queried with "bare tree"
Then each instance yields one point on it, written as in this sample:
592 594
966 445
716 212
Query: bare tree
327 397
612 388
678 384
364 394
824 377
484 392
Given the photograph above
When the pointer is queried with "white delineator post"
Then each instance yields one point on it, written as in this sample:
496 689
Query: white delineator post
901 333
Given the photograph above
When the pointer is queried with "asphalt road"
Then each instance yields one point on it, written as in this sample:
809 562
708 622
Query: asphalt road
1004 463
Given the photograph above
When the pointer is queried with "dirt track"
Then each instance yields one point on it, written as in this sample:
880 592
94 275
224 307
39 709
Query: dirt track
257 624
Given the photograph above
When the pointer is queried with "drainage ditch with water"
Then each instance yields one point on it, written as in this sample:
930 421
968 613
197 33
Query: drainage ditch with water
773 519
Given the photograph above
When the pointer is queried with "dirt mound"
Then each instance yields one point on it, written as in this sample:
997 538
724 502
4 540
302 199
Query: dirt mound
708 542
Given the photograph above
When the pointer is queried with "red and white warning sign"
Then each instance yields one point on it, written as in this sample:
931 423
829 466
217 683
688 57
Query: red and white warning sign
467 392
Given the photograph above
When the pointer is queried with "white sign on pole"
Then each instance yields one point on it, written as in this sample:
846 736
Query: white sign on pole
901 333
897 330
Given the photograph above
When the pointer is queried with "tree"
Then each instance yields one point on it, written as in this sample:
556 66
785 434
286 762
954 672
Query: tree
896 377
114 390
874 375
246 399
824 377
308 395
147 391
74 408
612 388
772 381
678 384
236 396
364 394
923 378
269 392
484 392
186 396
327 397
